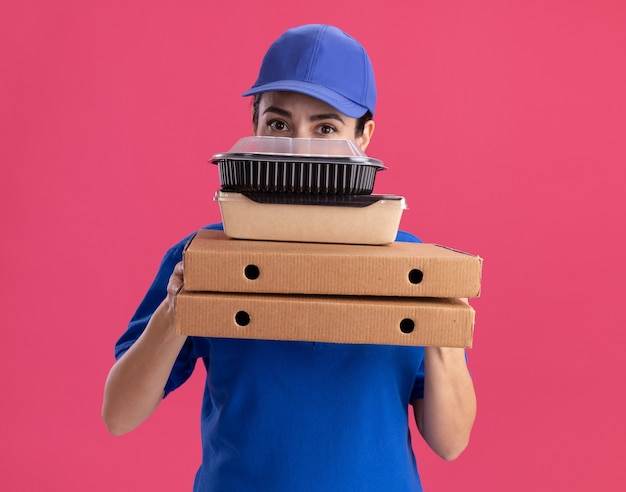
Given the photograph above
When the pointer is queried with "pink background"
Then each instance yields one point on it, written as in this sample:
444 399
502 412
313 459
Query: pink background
501 122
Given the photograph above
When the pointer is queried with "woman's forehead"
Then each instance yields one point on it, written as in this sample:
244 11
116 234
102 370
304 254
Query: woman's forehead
295 101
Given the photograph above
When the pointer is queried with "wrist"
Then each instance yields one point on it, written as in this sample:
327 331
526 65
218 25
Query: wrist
446 356
163 319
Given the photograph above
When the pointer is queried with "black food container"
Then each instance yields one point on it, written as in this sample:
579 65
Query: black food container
297 165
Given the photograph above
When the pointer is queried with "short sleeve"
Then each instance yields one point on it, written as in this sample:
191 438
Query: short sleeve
418 385
407 237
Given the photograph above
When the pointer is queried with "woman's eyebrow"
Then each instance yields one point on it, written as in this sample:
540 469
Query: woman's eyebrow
315 117
327 116
277 110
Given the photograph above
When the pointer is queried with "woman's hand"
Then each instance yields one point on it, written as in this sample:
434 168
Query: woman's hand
175 285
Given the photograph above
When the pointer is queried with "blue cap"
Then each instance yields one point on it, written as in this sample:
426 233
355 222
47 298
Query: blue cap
323 62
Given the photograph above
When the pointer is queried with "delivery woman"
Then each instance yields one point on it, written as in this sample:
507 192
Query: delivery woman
296 416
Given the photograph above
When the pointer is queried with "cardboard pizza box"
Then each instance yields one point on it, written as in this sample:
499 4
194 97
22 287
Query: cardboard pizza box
216 263
335 319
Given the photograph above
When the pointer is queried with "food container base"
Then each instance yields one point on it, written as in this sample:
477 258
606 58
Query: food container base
376 223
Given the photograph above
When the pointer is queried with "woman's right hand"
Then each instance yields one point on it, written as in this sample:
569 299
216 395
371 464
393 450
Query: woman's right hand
175 285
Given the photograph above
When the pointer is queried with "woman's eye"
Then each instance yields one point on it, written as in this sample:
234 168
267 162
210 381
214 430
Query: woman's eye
327 129
278 125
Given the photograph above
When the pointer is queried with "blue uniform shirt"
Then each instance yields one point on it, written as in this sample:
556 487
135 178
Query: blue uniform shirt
296 416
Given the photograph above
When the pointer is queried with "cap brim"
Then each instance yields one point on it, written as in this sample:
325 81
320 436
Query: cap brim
334 99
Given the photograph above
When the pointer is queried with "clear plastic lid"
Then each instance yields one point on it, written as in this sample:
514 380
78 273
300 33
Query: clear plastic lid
285 148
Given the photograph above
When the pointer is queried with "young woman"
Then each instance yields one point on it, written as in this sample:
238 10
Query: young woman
297 416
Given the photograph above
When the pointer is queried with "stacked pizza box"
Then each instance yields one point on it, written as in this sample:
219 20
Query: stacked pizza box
308 253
